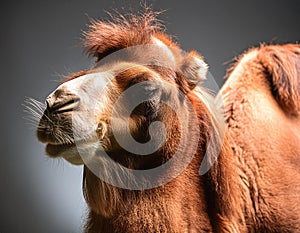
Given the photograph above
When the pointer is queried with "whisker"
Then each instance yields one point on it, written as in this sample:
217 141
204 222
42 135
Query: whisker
35 109
31 119
32 110
35 104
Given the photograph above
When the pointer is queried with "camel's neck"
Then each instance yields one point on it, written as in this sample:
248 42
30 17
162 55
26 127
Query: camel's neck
178 206
188 203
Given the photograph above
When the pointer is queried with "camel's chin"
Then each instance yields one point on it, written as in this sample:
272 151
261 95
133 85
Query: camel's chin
75 160
67 151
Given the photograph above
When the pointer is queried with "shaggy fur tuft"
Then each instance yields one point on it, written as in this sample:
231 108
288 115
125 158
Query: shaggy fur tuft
283 67
106 37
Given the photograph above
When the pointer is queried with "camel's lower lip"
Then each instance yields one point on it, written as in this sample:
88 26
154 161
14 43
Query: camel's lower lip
56 150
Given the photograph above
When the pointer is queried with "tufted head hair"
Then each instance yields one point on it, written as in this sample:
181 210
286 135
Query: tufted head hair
126 31
106 37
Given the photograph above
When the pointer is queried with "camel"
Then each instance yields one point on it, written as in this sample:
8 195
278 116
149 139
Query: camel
176 128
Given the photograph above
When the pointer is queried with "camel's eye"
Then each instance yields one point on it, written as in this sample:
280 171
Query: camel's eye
150 88
145 96
151 91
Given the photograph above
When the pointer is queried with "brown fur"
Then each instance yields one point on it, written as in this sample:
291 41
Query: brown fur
104 38
261 98
164 209
283 67
189 203
252 187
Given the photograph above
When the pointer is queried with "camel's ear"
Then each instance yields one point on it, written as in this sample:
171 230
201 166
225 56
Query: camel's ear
194 68
283 65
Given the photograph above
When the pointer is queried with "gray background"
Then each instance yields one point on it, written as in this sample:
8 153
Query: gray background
40 40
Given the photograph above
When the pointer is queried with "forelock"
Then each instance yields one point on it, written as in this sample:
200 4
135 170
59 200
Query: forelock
121 31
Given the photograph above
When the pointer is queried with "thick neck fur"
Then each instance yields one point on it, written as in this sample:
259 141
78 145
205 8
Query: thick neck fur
189 203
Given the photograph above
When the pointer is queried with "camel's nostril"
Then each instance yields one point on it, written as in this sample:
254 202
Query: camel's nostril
50 101
68 106
59 102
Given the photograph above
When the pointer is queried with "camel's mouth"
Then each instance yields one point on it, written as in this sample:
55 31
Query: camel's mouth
66 151
55 150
